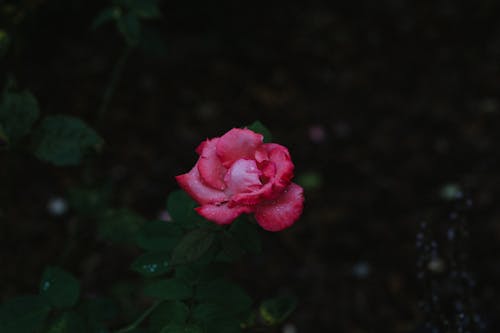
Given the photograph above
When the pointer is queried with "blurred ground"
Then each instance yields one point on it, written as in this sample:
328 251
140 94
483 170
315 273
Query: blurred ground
386 102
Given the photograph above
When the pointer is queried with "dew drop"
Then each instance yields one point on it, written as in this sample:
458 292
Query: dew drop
46 285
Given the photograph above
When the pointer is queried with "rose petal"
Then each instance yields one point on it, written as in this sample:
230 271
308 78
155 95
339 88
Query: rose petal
261 154
237 144
268 170
242 177
192 183
211 169
222 214
280 156
277 172
282 212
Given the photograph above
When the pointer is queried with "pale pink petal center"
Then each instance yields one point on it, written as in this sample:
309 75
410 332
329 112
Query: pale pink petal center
242 177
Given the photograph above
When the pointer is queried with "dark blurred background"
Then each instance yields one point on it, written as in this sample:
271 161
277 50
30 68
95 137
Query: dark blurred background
390 110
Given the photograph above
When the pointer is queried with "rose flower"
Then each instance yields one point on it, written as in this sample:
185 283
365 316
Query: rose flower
238 173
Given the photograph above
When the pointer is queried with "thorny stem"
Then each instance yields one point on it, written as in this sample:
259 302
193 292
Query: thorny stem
141 318
115 77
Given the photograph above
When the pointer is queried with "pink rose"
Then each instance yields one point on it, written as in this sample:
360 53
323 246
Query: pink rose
238 173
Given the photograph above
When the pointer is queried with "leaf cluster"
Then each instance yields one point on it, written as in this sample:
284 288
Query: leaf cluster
61 140
127 16
183 265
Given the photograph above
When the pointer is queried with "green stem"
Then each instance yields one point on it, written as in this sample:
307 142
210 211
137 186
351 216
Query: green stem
113 81
141 318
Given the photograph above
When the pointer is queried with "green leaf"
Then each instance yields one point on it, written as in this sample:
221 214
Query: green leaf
96 328
258 127
247 235
172 289
231 249
98 310
130 28
275 310
208 312
159 236
224 325
68 322
226 294
89 202
181 208
120 226
311 180
25 314
194 274
145 9
61 288
105 15
152 264
64 140
140 330
18 113
176 328
214 318
126 293
192 246
173 312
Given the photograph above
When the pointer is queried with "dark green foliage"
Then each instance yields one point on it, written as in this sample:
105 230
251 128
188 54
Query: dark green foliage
214 317
159 236
247 235
68 322
275 310
61 289
187 328
130 27
97 313
25 314
242 237
64 140
222 325
105 15
184 263
120 225
178 269
145 9
226 295
192 246
152 264
231 249
258 127
88 202
196 273
181 208
18 113
127 15
174 289
60 140
168 313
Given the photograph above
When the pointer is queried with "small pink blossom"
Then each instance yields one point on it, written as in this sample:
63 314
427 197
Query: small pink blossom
317 134
237 173
164 215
